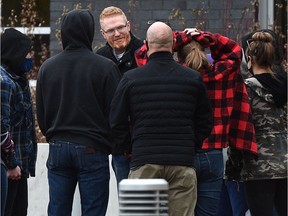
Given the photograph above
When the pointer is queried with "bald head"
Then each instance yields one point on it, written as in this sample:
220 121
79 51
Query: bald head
159 37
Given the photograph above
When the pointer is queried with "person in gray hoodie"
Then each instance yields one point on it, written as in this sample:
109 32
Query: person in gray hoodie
74 91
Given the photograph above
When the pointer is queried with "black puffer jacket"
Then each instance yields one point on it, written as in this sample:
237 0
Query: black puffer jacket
169 110
127 62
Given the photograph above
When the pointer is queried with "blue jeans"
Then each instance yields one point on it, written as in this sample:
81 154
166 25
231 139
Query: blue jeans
4 188
121 167
210 170
69 164
233 199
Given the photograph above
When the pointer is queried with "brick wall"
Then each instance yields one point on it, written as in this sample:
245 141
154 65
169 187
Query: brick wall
231 18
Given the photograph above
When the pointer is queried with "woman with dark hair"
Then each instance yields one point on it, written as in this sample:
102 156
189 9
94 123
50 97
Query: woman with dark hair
277 66
266 178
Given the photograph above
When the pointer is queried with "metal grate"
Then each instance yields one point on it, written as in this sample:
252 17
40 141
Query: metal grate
145 197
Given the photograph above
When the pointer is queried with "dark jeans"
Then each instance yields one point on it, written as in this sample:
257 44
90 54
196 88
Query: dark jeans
121 167
4 188
233 199
17 197
264 195
68 164
210 170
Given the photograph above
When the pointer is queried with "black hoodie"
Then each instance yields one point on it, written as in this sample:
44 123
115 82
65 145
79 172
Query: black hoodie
14 48
75 87
277 87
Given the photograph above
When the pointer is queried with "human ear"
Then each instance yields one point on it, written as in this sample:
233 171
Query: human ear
103 34
146 44
128 25
249 62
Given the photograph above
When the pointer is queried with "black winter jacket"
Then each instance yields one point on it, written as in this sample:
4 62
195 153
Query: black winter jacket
75 88
169 109
127 62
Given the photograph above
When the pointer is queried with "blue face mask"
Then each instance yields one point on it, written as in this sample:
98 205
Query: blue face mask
27 65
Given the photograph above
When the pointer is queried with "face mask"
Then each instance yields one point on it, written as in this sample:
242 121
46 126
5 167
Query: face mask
27 65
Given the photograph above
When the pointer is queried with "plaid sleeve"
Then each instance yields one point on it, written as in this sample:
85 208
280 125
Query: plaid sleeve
242 132
7 145
228 95
225 48
141 55
6 100
7 151
225 52
181 39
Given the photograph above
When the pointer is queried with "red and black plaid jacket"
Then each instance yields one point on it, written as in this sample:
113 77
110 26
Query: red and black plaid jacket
233 124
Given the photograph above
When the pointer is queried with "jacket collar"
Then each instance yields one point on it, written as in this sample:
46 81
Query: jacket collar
164 55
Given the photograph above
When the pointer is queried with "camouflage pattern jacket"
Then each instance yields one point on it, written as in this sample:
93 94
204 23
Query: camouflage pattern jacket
271 136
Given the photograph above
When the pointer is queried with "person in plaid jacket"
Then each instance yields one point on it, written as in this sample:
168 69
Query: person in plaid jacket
233 124
17 117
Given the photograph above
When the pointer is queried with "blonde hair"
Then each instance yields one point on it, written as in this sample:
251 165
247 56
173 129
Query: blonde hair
111 11
193 56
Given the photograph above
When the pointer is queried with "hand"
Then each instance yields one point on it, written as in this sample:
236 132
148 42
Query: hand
192 31
231 172
128 155
14 174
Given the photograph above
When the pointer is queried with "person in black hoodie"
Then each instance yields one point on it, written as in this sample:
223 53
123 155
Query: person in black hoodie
17 119
170 117
74 92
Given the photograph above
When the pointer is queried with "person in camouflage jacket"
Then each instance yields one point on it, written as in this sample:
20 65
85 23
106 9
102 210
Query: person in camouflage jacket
266 177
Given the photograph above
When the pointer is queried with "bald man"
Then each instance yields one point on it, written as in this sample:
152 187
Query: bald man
159 38
170 116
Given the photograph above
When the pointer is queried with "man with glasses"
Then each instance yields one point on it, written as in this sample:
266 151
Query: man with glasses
121 43
120 48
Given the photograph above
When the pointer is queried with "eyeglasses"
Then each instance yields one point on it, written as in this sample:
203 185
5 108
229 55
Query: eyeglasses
120 29
248 43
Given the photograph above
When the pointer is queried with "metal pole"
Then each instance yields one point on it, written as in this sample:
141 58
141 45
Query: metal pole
266 14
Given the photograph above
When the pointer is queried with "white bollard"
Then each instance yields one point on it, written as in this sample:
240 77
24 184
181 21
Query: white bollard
145 197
